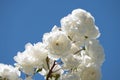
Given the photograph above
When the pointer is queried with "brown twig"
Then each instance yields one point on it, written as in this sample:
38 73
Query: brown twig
83 48
50 71
77 51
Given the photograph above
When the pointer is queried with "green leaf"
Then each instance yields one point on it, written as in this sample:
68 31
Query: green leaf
38 70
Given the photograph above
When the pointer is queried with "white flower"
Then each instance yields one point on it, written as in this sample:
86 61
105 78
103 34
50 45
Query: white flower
75 49
95 51
33 57
69 52
57 43
90 73
8 72
86 60
80 26
70 76
25 62
71 62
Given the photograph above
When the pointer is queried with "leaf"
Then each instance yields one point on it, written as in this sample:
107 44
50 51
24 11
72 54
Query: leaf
38 70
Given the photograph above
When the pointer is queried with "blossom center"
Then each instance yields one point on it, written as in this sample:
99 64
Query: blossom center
57 44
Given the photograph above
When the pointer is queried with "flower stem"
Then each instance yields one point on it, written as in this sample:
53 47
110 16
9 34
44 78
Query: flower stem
50 71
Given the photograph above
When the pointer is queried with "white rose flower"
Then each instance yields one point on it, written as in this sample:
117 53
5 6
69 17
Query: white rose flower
57 43
91 73
33 57
95 51
8 72
80 26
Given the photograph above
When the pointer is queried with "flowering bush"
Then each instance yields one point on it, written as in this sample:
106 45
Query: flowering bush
69 52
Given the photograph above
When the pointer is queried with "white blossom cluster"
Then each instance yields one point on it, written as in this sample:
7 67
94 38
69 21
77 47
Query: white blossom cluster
8 72
69 52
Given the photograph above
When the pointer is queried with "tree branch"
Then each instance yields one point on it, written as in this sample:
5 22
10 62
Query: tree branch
50 71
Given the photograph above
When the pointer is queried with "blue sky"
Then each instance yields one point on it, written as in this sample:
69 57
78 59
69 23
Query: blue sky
23 21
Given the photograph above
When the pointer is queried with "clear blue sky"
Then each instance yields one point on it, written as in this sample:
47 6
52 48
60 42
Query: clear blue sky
23 21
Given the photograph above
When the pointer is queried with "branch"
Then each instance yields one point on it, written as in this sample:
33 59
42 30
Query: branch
50 71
